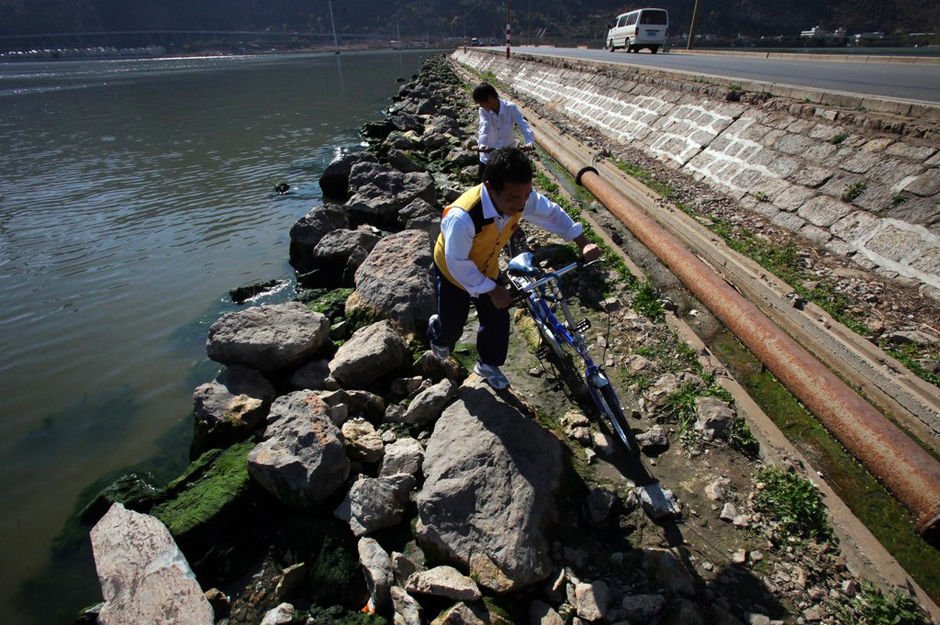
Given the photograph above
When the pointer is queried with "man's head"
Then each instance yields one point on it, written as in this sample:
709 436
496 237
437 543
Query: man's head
486 97
508 180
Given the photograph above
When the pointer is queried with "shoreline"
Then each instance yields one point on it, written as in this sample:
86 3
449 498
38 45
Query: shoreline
608 556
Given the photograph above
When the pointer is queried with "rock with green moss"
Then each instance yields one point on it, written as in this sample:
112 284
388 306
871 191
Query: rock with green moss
210 486
132 490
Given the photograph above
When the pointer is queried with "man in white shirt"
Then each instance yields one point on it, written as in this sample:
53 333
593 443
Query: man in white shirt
497 118
474 230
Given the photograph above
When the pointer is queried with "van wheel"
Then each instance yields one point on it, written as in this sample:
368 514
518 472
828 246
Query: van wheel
610 45
654 49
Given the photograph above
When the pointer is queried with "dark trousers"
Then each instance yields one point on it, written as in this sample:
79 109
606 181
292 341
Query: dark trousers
453 307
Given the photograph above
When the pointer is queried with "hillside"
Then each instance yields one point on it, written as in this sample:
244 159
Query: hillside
572 20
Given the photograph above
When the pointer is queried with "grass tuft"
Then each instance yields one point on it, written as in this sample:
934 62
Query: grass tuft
794 503
872 607
853 191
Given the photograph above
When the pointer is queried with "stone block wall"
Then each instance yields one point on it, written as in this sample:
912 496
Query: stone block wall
870 195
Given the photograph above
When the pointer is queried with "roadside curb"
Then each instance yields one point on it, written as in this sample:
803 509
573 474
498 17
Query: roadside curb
913 109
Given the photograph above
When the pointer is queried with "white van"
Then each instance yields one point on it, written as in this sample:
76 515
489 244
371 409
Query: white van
642 28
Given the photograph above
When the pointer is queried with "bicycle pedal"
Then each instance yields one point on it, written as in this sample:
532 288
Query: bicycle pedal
583 326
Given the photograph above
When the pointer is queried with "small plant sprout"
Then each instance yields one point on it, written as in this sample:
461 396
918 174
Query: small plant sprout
853 191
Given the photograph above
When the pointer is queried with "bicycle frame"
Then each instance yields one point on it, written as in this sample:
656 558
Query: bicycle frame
540 293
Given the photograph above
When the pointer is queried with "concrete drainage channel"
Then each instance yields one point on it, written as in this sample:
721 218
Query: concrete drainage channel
905 467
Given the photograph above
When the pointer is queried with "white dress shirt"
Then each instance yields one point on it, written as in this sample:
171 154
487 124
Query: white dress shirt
496 128
458 231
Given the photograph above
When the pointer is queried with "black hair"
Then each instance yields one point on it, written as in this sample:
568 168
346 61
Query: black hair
483 92
508 165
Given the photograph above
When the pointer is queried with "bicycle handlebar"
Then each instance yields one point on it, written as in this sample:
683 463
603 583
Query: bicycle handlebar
554 275
487 150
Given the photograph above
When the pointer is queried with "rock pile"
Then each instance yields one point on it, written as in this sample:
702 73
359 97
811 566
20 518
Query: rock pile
341 467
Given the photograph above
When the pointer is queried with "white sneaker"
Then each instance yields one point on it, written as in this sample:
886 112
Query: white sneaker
491 374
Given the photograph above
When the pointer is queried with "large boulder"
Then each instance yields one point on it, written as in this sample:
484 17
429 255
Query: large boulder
713 418
394 282
144 577
335 179
230 408
405 455
377 568
407 610
488 466
202 503
380 192
336 257
421 215
310 229
370 353
374 503
268 337
429 403
443 581
302 459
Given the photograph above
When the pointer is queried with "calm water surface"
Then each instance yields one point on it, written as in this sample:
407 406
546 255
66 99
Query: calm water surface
133 196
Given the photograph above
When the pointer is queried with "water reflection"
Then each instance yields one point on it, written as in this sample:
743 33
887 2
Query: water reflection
134 196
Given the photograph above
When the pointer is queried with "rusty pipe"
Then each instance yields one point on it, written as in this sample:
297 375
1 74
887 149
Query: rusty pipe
904 467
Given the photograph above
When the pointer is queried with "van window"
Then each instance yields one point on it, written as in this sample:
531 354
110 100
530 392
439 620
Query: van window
654 17
622 21
631 19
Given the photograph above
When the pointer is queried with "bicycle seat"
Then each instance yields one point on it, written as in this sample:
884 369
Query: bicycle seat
524 265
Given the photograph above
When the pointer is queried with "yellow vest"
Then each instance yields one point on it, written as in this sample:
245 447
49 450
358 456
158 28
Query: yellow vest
488 241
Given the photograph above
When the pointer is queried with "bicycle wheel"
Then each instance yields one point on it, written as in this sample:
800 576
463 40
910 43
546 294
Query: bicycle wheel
609 405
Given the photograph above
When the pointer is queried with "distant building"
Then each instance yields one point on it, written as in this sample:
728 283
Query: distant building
816 32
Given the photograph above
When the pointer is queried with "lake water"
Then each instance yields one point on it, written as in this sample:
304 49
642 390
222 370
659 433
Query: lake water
133 196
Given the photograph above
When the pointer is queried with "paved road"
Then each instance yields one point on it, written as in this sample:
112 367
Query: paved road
894 80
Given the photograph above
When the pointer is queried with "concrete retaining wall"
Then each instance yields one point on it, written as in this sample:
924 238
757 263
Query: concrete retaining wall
873 195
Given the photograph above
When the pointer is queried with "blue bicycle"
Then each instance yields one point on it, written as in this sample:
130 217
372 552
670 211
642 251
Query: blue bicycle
541 293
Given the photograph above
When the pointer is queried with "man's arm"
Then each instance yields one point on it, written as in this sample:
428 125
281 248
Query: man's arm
484 130
546 214
523 125
457 229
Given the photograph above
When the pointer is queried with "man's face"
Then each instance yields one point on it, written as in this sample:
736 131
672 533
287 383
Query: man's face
512 198
490 104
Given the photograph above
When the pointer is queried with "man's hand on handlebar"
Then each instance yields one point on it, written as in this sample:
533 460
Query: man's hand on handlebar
500 297
591 252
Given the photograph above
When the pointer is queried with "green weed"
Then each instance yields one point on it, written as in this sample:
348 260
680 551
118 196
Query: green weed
681 405
853 191
872 607
839 138
899 199
794 503
646 301
646 178
911 355
742 439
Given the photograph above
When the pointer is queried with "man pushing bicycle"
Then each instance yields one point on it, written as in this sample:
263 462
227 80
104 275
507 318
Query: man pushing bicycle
474 229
